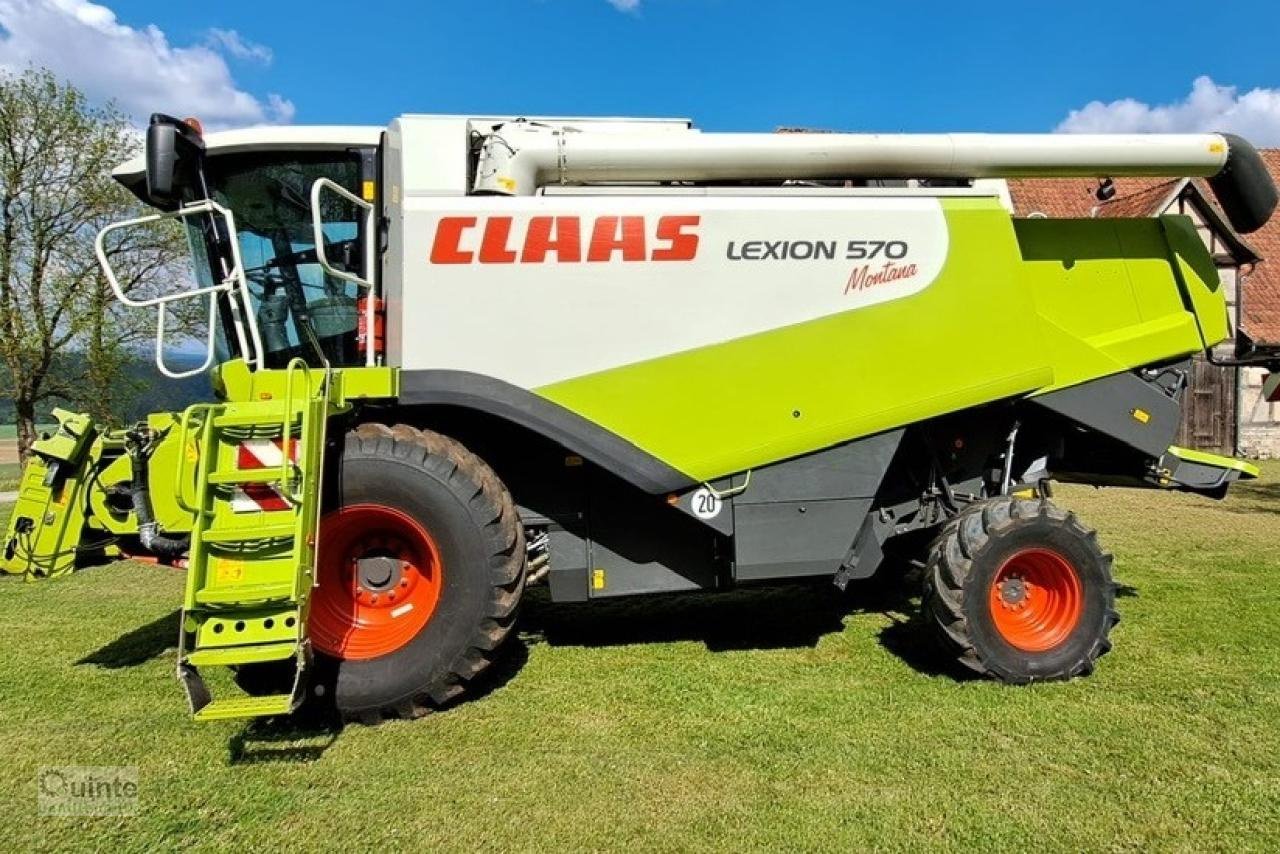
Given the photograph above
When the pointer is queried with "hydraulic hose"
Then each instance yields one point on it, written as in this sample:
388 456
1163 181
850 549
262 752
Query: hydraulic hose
148 531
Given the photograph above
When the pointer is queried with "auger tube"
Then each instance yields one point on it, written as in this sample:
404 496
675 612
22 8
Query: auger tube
520 157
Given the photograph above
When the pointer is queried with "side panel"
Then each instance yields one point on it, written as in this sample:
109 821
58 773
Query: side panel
800 517
719 334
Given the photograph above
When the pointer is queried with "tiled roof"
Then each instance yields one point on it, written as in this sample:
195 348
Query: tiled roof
1260 303
1076 197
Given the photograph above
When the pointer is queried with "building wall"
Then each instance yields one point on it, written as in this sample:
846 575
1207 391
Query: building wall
1259 420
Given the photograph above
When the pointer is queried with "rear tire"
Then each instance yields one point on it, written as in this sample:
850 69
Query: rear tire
1020 591
473 556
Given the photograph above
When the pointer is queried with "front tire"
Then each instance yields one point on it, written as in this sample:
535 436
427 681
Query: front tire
1020 591
421 567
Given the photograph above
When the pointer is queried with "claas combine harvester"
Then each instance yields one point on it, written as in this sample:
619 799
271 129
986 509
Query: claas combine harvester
460 355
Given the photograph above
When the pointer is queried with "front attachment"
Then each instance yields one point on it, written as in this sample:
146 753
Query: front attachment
48 519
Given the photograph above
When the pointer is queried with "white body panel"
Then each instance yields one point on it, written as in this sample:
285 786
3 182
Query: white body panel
710 269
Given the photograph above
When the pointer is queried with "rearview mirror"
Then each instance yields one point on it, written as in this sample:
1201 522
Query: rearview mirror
174 149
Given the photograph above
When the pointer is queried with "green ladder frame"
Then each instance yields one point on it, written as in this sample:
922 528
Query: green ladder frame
250 574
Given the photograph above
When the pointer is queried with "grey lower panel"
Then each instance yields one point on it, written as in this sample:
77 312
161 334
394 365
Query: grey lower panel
1139 411
800 517
791 539
626 542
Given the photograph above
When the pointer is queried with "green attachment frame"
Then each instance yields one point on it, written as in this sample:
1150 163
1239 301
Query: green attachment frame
48 519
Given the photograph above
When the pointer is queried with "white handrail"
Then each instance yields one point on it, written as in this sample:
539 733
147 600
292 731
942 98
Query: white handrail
370 254
233 279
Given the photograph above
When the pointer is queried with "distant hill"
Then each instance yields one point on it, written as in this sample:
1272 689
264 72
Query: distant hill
144 390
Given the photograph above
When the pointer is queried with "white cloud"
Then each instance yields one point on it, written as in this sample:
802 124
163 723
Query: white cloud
238 46
138 68
625 5
1255 114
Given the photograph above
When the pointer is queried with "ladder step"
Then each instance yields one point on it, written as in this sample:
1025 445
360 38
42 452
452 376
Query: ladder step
237 476
245 594
250 654
246 707
247 535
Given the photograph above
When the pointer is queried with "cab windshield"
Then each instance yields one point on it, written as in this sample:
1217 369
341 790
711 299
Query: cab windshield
300 310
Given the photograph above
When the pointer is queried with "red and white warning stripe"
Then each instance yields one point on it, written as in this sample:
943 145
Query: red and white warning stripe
256 454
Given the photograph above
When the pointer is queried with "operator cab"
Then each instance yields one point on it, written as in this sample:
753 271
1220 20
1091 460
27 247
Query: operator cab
248 201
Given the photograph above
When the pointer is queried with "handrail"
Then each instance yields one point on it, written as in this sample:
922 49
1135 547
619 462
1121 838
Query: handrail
370 253
287 465
184 428
233 279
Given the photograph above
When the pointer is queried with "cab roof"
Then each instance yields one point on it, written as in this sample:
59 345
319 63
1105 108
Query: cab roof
132 172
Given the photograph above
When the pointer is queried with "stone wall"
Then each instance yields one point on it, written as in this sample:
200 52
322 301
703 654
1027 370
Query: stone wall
1259 420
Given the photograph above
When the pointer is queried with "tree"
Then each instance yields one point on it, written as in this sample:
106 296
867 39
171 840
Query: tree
62 336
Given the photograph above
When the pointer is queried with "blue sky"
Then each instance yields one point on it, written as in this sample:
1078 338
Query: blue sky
725 63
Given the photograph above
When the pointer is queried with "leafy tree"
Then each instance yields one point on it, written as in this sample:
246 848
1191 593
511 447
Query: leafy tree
63 337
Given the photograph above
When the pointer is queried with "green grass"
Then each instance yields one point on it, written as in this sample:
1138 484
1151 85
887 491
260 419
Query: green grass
10 431
760 720
10 475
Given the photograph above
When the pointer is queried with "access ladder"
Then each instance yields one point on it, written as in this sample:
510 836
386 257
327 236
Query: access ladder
251 477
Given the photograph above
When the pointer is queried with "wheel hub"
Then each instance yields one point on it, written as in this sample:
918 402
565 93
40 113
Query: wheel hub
1013 592
378 573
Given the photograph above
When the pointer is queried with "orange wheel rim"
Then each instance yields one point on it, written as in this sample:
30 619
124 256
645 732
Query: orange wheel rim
1036 600
380 576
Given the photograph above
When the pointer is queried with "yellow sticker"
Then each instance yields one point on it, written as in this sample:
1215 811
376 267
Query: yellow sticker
1141 416
366 190
228 571
597 579
1216 147
508 184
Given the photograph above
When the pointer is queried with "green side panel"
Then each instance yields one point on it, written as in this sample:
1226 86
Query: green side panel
1198 277
1021 307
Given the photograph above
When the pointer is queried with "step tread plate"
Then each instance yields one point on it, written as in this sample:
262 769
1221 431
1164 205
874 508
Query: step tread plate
248 654
246 707
245 594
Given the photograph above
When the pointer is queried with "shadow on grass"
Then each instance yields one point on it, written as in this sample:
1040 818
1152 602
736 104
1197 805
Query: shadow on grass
302 738
1255 496
318 724
138 646
774 617
912 640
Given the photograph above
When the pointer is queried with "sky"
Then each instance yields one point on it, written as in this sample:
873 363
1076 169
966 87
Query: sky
727 64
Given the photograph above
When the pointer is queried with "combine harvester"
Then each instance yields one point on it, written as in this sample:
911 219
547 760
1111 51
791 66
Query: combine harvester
457 356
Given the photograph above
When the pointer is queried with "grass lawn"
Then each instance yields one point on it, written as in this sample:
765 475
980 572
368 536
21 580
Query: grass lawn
10 475
760 720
